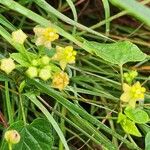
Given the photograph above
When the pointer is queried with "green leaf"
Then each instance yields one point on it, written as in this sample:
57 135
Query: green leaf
137 115
35 136
19 58
117 53
130 127
134 8
147 141
121 117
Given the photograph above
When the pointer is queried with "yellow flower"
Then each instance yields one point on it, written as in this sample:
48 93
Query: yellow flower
65 56
60 80
7 65
19 36
12 136
132 94
45 36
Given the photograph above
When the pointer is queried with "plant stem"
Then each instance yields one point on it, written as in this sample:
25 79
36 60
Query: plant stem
121 76
22 109
131 139
10 146
8 104
62 126
114 140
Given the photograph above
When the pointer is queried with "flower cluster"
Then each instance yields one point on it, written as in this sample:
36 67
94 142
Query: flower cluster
130 76
40 68
43 66
132 94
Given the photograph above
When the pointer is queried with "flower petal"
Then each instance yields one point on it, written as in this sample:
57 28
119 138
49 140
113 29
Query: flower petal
38 31
63 64
132 103
125 97
126 87
39 41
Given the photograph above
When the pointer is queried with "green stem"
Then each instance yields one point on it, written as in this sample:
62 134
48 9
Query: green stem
62 126
114 139
8 103
131 139
121 76
22 109
10 146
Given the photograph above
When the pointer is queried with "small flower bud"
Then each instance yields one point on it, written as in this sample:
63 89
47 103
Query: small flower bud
12 136
44 74
133 74
48 67
7 65
35 62
45 60
125 75
32 72
130 76
129 80
19 36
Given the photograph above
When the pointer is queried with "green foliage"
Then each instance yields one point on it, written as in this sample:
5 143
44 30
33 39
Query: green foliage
88 108
117 53
128 125
147 141
137 115
50 118
19 58
75 109
37 135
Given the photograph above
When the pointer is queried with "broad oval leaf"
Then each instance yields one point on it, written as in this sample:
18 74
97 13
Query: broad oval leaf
147 141
117 53
137 115
36 136
130 127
